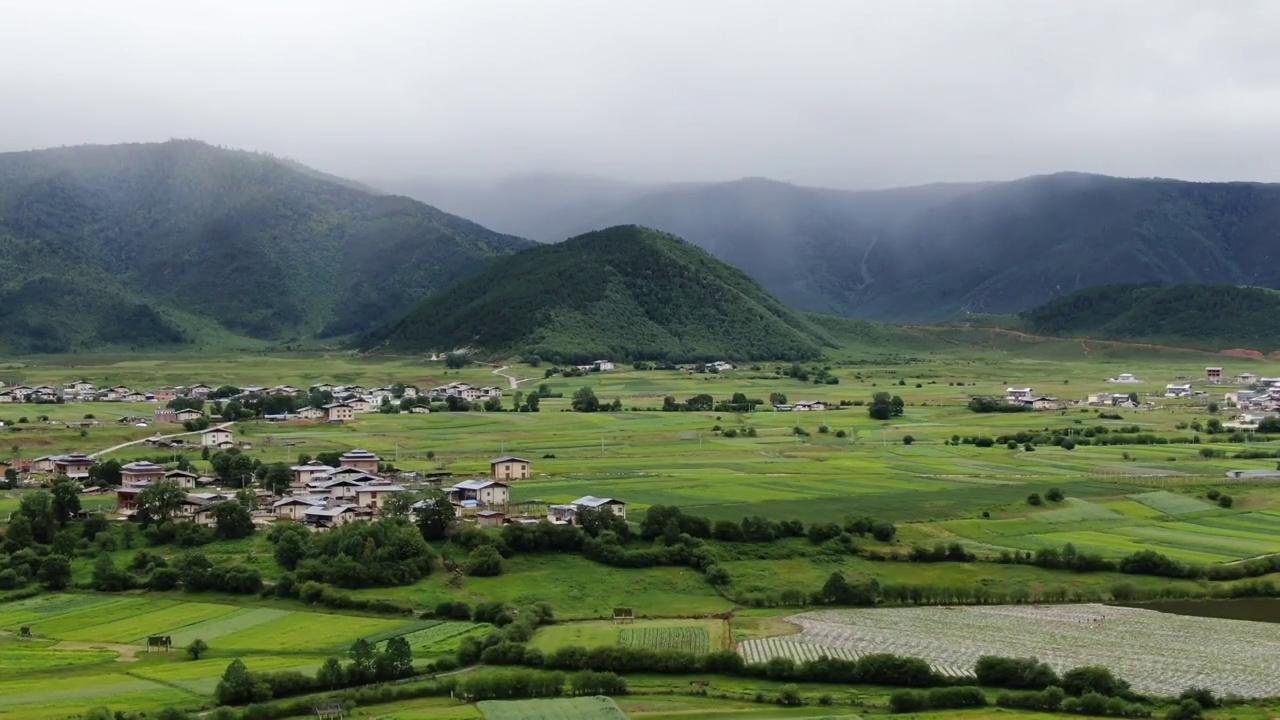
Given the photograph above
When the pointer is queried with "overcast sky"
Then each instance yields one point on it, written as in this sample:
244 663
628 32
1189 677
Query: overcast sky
846 93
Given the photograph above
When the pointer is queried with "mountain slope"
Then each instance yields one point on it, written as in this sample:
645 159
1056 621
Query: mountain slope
623 292
1210 316
930 252
263 247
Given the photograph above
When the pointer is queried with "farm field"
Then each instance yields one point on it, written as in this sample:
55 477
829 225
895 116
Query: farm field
581 708
1157 652
669 634
130 619
576 588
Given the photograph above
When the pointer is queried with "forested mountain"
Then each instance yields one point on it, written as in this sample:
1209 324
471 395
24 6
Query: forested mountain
620 293
134 245
931 252
1208 316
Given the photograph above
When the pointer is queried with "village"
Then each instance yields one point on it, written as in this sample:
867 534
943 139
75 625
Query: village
323 402
1260 397
325 496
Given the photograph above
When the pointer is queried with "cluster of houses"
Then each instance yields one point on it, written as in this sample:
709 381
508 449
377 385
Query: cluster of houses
801 406
322 496
1028 398
464 391
359 398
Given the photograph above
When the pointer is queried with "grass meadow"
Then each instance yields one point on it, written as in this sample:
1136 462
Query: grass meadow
841 462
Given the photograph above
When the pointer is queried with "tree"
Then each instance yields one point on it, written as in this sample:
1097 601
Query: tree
55 572
484 561
11 477
232 520
18 534
585 400
361 669
777 398
908 439
232 466
1054 495
331 676
37 508
434 515
239 686
884 407
1186 710
278 478
107 577
533 402
1034 499
106 473
160 501
197 649
397 505
398 658
1225 501
247 499
455 361
1213 408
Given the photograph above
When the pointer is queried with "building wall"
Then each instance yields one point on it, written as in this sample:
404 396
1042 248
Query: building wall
510 471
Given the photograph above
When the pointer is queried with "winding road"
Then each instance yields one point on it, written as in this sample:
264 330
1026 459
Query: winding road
114 448
514 382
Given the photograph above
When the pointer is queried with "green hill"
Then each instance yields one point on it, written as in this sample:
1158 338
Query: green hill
925 254
152 244
622 293
1208 316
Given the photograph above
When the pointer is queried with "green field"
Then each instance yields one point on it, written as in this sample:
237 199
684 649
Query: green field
681 634
583 708
687 638
130 619
1118 500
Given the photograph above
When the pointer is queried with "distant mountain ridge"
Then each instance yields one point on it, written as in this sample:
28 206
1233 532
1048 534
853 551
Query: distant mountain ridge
161 243
1203 316
625 292
922 254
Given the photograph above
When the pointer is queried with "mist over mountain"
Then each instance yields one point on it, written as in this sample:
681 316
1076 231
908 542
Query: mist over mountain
922 253
145 244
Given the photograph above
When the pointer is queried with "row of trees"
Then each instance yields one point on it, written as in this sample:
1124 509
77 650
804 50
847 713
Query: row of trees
366 664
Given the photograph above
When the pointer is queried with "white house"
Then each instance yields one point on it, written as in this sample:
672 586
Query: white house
215 437
1018 394
806 405
569 513
602 365
1177 390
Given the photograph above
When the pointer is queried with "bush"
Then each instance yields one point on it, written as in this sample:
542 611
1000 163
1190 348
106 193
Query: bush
1034 499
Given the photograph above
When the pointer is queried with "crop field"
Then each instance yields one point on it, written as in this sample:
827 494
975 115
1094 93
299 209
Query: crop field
688 638
695 635
39 698
130 619
201 676
1157 652
581 708
441 637
26 657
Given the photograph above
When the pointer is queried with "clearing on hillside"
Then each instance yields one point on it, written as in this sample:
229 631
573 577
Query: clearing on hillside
1158 653
581 708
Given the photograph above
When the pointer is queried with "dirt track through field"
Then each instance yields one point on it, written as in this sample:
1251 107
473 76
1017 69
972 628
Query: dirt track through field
127 653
